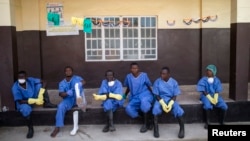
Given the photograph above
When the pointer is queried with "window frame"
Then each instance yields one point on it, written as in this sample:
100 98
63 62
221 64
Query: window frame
121 49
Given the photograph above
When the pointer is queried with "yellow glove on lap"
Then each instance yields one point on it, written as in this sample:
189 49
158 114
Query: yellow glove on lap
99 97
210 99
216 95
170 105
163 105
35 101
115 96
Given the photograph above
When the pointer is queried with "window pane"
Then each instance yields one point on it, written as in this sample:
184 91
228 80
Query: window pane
99 35
112 44
153 22
135 33
153 44
117 43
153 33
88 35
112 33
125 33
130 43
94 33
107 43
143 43
135 22
130 33
106 33
117 33
88 44
147 22
136 43
94 44
143 33
99 44
125 43
143 20
148 33
148 44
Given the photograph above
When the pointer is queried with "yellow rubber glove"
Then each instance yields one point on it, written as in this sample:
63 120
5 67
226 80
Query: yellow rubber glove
40 94
39 102
79 22
32 101
170 105
115 96
99 97
210 99
163 105
216 95
73 20
35 101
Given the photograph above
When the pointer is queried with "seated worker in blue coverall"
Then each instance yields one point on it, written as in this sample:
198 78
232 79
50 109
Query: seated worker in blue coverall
111 92
166 89
141 97
67 92
210 88
27 92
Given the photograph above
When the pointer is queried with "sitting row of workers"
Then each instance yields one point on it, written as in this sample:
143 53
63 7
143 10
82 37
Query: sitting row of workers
145 100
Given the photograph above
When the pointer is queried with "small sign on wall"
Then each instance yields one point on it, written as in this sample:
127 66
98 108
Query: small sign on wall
55 8
55 21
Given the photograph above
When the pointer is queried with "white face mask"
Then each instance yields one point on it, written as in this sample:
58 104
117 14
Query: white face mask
21 81
210 80
111 83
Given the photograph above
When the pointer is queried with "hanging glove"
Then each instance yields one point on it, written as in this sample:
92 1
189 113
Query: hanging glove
69 92
210 99
99 97
40 94
216 95
163 105
115 96
73 20
79 22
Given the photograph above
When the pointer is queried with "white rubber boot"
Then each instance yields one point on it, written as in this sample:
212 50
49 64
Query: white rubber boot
75 123
78 96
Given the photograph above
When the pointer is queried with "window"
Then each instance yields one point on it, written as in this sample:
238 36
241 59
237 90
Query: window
121 38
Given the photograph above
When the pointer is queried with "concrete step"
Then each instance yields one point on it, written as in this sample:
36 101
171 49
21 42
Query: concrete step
193 114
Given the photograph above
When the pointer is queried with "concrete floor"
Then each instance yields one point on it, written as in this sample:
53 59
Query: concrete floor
128 132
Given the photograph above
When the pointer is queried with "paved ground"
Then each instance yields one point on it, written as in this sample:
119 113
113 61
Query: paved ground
168 132
128 132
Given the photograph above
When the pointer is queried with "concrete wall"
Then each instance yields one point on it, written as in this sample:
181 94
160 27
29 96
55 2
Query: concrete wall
176 44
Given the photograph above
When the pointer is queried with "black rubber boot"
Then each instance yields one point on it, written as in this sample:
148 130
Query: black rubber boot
207 120
144 126
106 127
111 122
222 117
150 120
156 128
182 130
30 127
47 103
